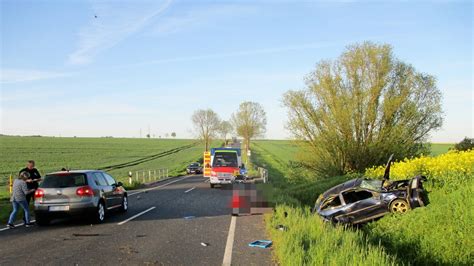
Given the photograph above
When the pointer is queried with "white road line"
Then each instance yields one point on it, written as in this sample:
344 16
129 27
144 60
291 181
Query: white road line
230 243
169 183
189 190
16 225
136 215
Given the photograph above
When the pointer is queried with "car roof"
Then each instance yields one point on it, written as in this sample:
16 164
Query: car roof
344 186
74 172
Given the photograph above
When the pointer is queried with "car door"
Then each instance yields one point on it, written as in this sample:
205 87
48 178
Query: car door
105 188
116 197
331 207
362 205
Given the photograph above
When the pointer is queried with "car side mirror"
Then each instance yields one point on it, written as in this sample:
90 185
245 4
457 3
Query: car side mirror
119 184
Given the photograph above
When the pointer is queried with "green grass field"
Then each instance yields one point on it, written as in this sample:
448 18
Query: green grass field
440 148
51 154
116 156
438 234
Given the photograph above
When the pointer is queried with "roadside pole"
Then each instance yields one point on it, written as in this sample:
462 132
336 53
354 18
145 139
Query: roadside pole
10 187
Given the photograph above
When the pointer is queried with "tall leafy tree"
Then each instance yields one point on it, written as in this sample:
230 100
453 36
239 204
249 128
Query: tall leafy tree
206 123
361 107
249 121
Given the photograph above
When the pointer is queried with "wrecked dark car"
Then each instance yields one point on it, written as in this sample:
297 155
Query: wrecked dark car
361 200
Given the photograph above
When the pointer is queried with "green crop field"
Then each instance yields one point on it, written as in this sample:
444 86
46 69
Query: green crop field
117 156
438 234
114 155
440 148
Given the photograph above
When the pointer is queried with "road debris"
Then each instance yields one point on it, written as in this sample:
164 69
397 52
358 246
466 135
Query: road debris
141 235
261 244
281 227
205 244
139 197
189 217
127 249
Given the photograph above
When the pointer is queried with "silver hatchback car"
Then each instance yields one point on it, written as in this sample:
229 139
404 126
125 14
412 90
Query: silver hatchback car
88 194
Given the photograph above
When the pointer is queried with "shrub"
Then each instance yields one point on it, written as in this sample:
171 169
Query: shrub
465 144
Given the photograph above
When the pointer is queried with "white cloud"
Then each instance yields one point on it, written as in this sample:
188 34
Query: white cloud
199 17
115 21
23 75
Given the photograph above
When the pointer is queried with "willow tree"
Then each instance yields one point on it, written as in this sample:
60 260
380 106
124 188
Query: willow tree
361 107
249 122
206 123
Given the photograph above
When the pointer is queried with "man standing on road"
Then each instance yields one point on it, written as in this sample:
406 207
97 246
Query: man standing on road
32 181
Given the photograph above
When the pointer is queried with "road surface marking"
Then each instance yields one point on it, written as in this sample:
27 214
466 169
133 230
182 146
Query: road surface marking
136 215
16 225
169 183
189 190
230 243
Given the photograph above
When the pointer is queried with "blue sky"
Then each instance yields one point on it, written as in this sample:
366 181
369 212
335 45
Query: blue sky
143 64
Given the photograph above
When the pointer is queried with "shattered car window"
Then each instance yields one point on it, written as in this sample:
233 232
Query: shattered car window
355 196
375 185
331 202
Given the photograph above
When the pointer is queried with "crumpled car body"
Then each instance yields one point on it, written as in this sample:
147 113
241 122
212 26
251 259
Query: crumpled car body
361 200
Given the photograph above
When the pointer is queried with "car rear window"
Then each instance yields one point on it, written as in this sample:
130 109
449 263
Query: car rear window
64 180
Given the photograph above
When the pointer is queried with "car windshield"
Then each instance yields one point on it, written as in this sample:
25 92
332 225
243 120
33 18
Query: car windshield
64 180
375 185
225 159
194 164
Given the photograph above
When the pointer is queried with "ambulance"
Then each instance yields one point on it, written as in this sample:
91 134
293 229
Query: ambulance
223 166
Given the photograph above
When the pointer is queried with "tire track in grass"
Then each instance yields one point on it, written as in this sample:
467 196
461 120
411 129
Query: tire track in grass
147 158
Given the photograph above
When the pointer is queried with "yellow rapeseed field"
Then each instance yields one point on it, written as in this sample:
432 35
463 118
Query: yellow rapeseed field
453 167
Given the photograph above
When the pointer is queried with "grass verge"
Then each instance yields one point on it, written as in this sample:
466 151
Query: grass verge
438 234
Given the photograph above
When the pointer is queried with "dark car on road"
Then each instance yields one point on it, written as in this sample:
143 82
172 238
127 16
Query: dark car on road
87 194
194 168
361 200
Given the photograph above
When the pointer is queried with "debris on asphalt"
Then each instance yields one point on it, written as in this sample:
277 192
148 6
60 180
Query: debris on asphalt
127 249
189 217
75 234
141 235
139 197
204 244
261 244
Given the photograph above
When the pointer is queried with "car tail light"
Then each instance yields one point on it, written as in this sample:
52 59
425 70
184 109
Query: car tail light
39 193
213 173
85 191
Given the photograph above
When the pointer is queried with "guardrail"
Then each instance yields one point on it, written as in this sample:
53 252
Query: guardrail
148 175
263 174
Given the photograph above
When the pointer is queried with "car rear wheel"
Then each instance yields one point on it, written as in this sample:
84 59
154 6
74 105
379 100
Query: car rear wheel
399 206
124 206
100 213
212 185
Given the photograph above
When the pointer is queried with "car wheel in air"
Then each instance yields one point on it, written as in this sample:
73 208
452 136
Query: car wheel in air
100 213
42 220
399 206
124 206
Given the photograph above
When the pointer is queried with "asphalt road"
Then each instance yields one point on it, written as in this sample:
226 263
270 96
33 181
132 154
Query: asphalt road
153 231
